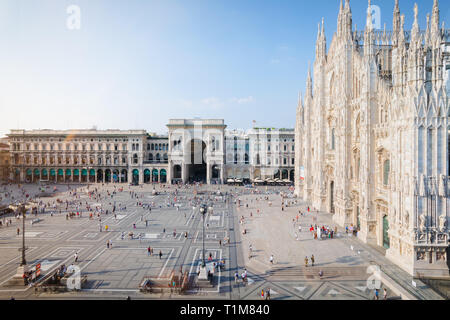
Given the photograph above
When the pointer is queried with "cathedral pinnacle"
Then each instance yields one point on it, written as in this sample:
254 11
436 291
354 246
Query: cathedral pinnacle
369 25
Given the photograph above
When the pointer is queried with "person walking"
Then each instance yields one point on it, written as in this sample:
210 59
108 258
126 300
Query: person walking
271 259
149 250
236 277
376 294
384 294
160 254
306 261
107 244
312 260
262 294
268 294
76 256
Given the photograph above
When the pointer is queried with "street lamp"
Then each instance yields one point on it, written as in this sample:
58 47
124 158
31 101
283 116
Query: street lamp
22 210
203 211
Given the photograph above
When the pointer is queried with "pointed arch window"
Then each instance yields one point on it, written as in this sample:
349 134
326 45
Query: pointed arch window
386 171
333 139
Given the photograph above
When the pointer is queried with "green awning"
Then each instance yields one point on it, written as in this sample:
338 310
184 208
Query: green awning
52 172
135 172
163 172
44 172
29 172
84 172
155 172
36 172
68 172
92 172
60 172
146 172
76 172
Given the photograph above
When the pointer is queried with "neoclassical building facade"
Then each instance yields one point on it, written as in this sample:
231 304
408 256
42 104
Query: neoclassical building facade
372 136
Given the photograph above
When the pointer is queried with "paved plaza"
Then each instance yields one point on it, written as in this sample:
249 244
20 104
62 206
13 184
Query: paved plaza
164 218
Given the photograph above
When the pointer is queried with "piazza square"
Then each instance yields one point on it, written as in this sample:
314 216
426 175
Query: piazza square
344 197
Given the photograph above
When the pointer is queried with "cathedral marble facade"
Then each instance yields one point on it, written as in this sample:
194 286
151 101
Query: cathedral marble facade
372 136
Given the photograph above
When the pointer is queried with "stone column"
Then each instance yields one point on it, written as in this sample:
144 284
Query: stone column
208 173
184 173
141 177
169 172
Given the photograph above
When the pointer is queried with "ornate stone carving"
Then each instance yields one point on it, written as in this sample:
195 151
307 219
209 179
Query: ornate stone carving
442 223
422 223
420 255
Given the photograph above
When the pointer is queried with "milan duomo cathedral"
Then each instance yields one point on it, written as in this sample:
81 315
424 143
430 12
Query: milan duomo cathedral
372 137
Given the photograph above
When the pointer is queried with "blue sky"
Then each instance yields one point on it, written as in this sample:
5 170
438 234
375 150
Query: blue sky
134 64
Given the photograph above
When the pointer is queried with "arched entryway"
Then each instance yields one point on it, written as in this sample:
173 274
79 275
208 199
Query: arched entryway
284 174
107 175
116 176
84 175
197 168
124 176
163 175
44 175
215 174
60 175
28 175
53 174
76 175
68 175
37 175
292 175
99 175
92 175
276 174
155 175
146 176
177 171
135 176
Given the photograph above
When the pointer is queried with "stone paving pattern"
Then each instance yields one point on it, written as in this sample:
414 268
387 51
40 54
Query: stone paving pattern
115 273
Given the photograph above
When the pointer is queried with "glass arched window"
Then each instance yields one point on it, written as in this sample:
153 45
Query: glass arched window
332 140
386 169
135 158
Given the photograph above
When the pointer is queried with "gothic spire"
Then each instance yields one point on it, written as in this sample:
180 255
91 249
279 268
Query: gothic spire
428 32
415 31
347 5
396 22
309 83
369 24
435 21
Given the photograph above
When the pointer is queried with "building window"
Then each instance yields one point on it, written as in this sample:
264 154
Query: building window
332 139
386 170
